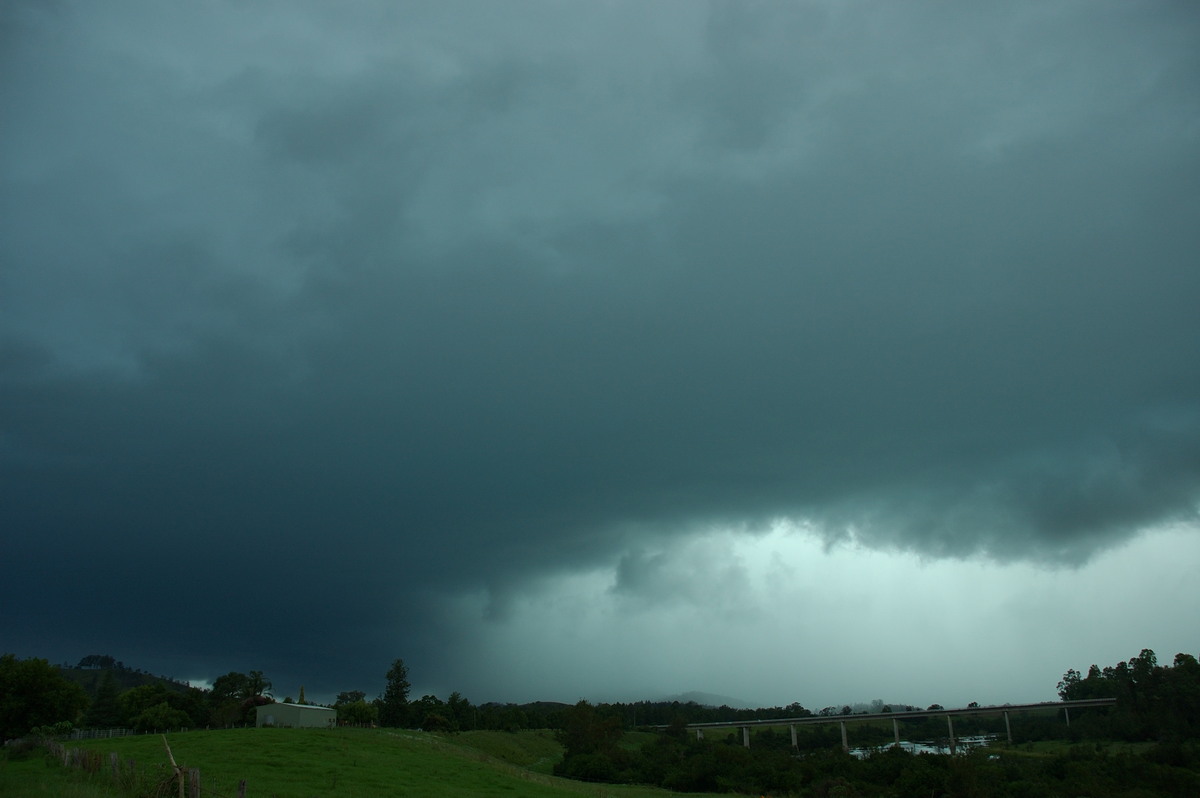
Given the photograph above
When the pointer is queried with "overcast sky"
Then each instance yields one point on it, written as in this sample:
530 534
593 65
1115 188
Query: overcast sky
788 351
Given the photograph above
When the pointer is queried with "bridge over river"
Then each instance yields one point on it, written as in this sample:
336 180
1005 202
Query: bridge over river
896 717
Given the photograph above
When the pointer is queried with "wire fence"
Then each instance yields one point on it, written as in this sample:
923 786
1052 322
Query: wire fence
97 734
152 781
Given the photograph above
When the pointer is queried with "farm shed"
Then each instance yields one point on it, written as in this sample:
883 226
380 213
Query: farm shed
296 716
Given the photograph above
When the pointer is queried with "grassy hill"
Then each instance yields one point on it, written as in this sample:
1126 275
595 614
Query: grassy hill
299 763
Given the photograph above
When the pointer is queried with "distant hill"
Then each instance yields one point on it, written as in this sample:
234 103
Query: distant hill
543 707
89 679
710 700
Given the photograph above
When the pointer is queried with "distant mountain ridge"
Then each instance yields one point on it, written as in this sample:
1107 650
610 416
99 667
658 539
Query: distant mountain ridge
91 670
710 700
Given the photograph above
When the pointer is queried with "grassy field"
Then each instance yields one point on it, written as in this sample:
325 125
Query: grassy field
341 763
35 776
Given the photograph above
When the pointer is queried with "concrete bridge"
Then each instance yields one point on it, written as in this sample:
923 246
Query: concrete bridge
896 717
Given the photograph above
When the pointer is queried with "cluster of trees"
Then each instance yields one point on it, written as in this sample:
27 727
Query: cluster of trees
662 713
127 676
596 749
1153 701
100 661
168 705
681 763
33 693
36 694
394 708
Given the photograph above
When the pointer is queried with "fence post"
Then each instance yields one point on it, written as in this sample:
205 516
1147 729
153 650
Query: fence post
178 770
241 789
194 783
112 760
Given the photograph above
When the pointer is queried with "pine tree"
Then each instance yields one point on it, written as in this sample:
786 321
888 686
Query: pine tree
393 704
105 711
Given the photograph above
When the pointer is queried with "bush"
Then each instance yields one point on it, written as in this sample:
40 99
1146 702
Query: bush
160 716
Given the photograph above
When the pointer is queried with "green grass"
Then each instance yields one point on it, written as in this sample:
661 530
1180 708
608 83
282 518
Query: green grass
352 763
33 774
537 751
634 740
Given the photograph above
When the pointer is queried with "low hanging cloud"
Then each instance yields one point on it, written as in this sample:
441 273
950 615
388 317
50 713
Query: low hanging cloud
390 307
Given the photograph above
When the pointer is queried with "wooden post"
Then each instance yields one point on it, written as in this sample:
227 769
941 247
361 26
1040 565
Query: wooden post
112 760
746 736
795 743
178 770
1067 712
1008 728
194 783
845 744
241 789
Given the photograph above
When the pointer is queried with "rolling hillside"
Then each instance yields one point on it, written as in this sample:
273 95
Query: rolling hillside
299 763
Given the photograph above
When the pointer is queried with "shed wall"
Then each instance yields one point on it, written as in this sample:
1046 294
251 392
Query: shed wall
296 716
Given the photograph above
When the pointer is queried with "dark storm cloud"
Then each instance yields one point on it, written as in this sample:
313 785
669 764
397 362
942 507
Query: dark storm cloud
323 339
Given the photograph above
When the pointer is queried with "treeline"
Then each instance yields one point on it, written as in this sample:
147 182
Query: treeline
102 693
1153 701
684 764
1157 704
596 748
95 668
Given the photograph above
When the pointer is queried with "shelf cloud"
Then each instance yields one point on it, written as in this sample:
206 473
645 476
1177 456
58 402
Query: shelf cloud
402 326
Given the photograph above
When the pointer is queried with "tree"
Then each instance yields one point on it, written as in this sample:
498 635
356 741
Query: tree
393 704
430 713
33 693
234 697
161 716
349 697
257 684
589 740
105 711
585 731
194 702
460 711
232 687
137 700
357 713
97 661
301 699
